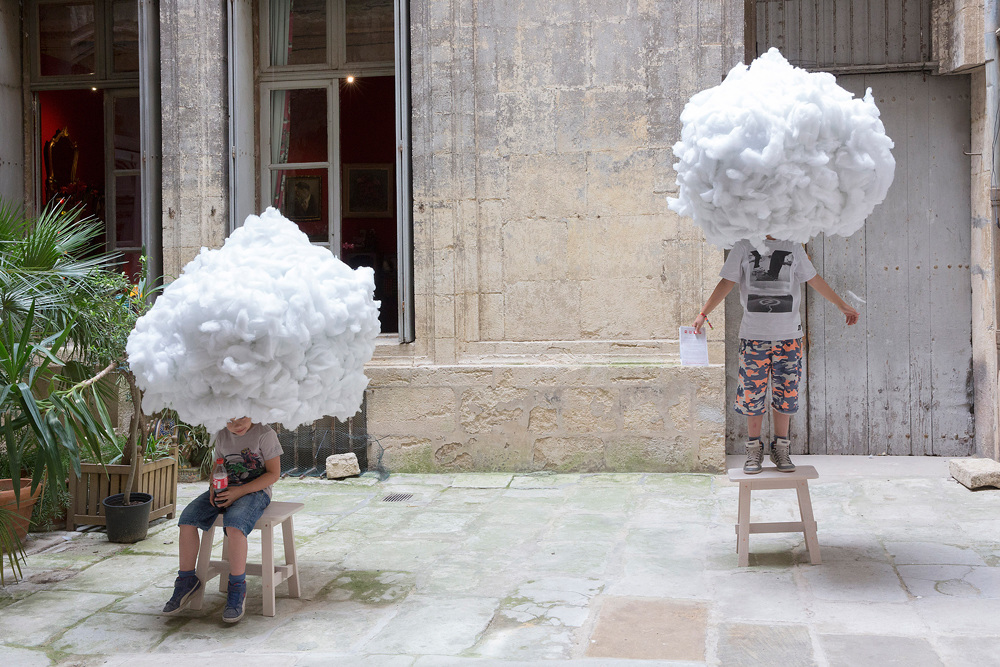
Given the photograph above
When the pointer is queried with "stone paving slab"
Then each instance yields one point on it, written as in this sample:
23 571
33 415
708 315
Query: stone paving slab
510 569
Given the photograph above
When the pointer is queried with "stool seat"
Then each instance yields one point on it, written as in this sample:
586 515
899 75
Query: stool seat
770 478
276 513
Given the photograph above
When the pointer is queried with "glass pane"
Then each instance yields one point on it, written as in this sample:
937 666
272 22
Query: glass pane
370 31
128 214
298 32
71 136
131 265
127 133
66 39
126 36
298 126
301 196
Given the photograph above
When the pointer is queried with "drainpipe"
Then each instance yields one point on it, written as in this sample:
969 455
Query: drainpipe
991 25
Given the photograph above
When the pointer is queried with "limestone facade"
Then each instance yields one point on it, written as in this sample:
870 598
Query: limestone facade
959 32
550 278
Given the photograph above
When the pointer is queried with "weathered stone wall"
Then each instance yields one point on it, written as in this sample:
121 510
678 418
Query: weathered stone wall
958 44
11 105
549 417
957 34
542 242
984 274
195 128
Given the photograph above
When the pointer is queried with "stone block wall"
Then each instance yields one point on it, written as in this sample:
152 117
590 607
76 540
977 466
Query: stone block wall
957 34
657 418
550 278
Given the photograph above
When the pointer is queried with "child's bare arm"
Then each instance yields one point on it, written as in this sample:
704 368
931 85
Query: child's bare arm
717 297
824 289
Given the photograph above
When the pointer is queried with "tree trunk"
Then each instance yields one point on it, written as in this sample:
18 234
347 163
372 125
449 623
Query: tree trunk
133 453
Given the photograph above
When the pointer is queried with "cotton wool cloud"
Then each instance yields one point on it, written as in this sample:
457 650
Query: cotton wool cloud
269 327
775 150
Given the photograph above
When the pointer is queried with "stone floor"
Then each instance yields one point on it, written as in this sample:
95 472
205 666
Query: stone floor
604 569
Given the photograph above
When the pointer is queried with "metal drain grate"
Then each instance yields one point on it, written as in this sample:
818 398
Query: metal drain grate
397 497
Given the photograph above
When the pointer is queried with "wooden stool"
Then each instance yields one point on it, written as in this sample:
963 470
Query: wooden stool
770 478
272 575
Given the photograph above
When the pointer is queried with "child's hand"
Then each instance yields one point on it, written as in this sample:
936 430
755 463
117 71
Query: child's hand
227 496
850 313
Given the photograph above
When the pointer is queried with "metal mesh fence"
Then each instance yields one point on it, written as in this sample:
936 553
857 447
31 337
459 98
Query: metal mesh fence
305 449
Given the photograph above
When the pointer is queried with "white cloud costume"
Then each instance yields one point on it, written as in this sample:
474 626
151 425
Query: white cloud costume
269 327
781 151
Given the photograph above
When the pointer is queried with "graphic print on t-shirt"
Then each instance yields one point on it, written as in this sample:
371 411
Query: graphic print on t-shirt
244 467
771 275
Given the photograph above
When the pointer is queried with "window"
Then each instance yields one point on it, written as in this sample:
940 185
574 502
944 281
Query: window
332 156
86 81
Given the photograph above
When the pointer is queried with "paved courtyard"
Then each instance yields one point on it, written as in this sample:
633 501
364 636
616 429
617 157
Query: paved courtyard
602 569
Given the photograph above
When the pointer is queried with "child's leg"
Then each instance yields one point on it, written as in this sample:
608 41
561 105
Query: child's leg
750 396
237 551
787 371
780 421
188 548
239 520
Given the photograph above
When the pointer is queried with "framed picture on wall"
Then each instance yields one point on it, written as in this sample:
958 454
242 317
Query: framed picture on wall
368 191
303 198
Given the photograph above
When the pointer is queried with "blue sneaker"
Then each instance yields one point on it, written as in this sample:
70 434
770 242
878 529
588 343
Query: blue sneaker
184 590
234 602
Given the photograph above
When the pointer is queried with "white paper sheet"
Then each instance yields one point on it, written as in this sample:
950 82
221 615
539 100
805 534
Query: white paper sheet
694 347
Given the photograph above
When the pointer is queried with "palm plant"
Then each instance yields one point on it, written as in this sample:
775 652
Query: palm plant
57 300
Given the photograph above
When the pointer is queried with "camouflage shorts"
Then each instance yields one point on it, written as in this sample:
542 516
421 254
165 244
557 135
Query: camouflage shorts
760 360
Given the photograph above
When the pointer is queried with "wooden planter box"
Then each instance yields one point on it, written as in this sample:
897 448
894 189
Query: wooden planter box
97 482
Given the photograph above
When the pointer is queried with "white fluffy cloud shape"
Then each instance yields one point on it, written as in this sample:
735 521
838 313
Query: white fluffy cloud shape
269 327
778 150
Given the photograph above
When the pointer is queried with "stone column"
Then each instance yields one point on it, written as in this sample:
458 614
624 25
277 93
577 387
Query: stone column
193 47
11 98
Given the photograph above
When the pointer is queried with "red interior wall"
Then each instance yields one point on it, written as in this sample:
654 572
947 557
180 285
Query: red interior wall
368 136
82 113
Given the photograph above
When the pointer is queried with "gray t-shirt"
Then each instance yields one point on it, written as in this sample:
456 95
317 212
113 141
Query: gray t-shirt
770 288
245 454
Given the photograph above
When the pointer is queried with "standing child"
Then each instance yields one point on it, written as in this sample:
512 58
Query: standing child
770 345
252 456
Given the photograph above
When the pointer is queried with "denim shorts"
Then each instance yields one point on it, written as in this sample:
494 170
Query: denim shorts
242 514
780 362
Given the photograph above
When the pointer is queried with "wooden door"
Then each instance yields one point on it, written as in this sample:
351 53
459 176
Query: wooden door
900 381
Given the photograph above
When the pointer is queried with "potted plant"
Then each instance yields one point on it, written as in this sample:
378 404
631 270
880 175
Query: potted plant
50 411
127 514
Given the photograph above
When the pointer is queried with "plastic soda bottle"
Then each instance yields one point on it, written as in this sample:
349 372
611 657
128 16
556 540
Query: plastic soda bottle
220 478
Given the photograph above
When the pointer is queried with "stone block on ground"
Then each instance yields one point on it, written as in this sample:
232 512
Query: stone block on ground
339 466
975 473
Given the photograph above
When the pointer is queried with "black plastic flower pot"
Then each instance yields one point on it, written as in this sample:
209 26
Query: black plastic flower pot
127 523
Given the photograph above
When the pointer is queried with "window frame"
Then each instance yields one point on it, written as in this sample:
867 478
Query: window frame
332 164
103 73
329 74
144 83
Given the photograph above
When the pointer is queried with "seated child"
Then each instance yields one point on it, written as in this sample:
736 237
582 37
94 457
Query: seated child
252 456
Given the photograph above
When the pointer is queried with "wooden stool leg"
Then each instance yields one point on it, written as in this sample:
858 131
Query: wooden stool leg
808 521
204 558
743 526
288 538
267 568
224 575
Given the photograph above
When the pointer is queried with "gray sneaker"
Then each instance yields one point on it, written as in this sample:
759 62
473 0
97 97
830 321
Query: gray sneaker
755 456
184 590
235 602
780 450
